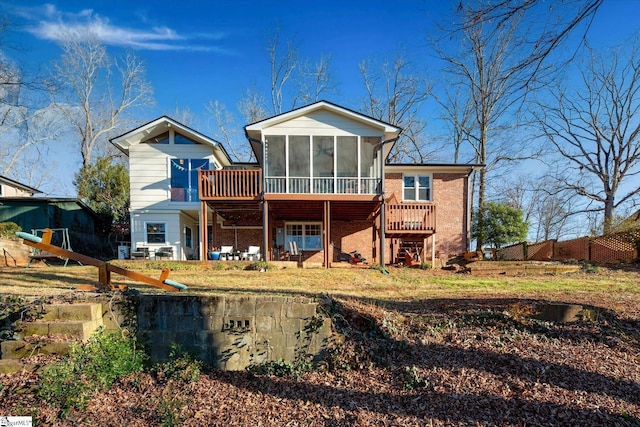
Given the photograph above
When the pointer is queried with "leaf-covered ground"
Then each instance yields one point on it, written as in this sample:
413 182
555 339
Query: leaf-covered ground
437 362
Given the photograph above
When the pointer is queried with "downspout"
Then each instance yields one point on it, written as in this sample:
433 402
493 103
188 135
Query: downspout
383 160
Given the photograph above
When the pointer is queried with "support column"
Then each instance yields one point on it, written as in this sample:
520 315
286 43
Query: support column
382 231
326 226
204 241
433 251
266 249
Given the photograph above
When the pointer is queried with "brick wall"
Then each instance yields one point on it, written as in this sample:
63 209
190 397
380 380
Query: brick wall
450 197
351 236
246 237
572 249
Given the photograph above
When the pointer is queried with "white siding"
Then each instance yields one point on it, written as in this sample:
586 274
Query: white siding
9 191
174 230
149 173
323 123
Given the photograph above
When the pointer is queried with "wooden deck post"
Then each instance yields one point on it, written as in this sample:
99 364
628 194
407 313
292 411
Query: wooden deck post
204 241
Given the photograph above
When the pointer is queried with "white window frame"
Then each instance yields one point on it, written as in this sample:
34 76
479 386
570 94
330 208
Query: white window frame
304 225
416 177
146 231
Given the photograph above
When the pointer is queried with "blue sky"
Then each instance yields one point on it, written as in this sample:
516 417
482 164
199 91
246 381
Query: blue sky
199 51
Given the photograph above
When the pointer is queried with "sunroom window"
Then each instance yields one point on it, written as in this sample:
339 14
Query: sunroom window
417 188
184 178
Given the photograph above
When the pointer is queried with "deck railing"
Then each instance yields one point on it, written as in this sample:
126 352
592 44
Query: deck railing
230 184
410 218
247 185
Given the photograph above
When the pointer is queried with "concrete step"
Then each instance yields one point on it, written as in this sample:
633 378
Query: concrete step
75 329
83 311
21 349
9 366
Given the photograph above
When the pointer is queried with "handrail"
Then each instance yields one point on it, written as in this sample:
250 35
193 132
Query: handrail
230 184
410 217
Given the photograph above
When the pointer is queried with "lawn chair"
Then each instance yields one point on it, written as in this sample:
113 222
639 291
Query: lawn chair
165 252
294 250
226 252
253 253
140 252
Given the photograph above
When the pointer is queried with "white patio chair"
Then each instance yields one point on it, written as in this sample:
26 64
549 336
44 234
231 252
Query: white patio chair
294 250
251 254
226 252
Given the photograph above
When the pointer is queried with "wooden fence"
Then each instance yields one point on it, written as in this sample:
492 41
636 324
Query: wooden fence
612 248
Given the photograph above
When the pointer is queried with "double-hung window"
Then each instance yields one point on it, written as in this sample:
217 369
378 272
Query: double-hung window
416 188
156 232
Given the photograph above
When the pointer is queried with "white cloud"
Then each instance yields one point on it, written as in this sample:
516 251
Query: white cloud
50 23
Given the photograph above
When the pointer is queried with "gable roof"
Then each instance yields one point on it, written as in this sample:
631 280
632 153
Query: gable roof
16 184
159 126
321 105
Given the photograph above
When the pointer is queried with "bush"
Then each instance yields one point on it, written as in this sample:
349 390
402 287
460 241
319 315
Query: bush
90 367
8 230
260 266
181 366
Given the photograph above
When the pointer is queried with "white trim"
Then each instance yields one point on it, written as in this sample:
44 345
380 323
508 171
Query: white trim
414 169
146 234
321 105
304 225
416 178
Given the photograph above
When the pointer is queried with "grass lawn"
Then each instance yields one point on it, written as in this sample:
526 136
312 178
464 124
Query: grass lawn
612 288
420 348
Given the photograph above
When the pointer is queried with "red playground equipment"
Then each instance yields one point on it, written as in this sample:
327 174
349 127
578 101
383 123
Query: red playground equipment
104 268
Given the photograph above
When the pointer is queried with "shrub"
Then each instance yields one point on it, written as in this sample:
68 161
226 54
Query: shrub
181 366
8 230
260 266
90 367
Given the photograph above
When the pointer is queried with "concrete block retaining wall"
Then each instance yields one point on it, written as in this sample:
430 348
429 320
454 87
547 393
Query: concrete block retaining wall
231 332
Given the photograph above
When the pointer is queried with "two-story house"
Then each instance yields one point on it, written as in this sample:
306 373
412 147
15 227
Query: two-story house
321 180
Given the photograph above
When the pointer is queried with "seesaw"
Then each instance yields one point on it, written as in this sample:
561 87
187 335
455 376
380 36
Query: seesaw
104 268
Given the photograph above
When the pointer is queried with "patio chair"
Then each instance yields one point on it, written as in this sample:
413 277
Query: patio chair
294 251
165 252
226 252
251 254
140 252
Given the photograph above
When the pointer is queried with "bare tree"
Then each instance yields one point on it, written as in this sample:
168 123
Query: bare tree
252 106
314 80
457 114
94 101
554 23
396 95
283 65
501 62
27 127
227 131
293 81
596 130
546 208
